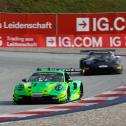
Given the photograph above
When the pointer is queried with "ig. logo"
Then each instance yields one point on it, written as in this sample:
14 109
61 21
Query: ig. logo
82 24
51 42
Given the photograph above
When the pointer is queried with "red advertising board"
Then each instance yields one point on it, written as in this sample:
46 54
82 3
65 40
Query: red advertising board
28 23
63 30
22 40
63 41
86 41
80 24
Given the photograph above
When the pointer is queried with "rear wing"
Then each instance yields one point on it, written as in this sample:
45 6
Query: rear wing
69 70
97 50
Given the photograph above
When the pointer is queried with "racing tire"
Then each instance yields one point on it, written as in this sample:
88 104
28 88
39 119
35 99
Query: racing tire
82 72
120 71
21 102
68 94
17 102
81 63
81 91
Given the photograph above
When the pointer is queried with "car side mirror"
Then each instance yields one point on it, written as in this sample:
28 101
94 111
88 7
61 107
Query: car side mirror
24 80
118 57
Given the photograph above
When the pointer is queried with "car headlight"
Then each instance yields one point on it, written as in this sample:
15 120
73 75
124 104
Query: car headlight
58 87
20 86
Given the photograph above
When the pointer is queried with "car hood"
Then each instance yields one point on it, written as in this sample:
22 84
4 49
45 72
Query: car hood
44 87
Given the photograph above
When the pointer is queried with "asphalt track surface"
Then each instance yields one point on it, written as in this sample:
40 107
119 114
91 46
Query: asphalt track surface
15 66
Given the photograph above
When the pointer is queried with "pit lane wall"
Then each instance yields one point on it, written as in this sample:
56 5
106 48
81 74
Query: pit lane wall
51 31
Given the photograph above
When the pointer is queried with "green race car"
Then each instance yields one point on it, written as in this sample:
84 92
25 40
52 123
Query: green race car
48 85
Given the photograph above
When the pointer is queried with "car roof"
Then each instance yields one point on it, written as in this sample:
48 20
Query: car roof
49 71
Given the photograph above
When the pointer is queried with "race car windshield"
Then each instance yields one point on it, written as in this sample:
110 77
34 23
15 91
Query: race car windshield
46 77
100 56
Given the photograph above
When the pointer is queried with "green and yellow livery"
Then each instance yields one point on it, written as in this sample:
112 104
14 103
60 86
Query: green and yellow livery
48 85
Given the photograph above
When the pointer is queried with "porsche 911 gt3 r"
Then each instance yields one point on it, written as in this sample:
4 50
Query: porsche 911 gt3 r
101 61
48 85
